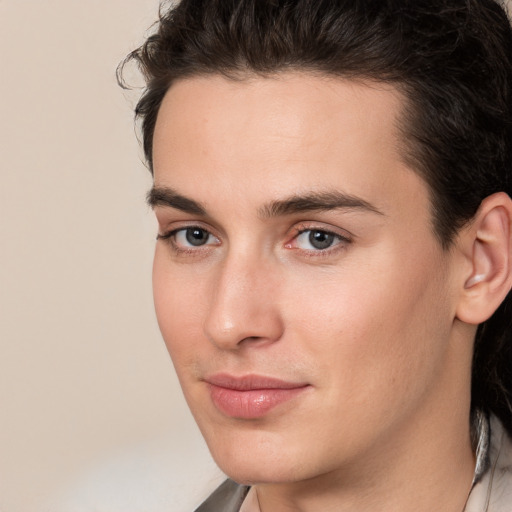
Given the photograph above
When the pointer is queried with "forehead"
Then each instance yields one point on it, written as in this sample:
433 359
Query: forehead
288 132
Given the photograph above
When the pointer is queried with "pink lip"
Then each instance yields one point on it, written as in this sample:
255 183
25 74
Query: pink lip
251 396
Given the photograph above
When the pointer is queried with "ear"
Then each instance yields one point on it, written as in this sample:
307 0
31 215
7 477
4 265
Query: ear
488 246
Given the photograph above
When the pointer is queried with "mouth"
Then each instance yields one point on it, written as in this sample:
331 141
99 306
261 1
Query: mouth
251 396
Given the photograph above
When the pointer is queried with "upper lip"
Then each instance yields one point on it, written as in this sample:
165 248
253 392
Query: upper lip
250 382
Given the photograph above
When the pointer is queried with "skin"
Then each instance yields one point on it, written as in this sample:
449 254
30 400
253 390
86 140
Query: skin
369 324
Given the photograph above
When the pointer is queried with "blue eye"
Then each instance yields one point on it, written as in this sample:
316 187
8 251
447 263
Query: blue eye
193 237
317 240
189 238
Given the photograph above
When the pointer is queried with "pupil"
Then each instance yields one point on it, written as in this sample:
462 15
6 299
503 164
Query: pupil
321 239
196 236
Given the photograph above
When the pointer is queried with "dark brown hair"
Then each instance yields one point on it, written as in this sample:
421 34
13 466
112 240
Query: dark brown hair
451 59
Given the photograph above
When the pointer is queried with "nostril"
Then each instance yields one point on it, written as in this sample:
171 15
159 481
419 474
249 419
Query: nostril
262 328
253 340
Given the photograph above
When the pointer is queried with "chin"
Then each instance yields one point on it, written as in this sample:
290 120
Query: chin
260 472
264 459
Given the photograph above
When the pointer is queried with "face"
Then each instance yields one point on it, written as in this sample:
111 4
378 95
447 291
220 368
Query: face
296 274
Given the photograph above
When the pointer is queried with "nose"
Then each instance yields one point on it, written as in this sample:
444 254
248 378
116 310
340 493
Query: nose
244 305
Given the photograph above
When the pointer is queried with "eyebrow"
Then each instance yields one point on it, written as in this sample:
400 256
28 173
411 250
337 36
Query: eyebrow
164 196
317 201
313 201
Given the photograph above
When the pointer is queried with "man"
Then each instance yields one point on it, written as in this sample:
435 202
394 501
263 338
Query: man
333 264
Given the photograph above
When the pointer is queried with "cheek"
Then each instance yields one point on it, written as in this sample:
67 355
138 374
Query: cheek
373 329
178 298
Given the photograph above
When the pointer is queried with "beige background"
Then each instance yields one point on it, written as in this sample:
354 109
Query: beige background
91 416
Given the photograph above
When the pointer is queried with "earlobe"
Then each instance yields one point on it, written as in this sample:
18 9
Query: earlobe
490 243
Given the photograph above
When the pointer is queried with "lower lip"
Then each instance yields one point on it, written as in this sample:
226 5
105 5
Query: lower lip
253 403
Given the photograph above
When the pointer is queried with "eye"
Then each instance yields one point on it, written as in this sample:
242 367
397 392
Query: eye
316 240
190 237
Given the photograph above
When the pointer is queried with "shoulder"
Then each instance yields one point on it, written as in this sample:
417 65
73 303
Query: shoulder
228 497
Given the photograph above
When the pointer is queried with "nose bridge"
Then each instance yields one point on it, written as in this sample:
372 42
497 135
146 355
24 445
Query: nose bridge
243 303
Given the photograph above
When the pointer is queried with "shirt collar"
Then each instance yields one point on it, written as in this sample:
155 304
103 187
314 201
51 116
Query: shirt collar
480 440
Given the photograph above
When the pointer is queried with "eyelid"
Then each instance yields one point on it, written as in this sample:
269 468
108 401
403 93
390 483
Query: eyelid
168 228
169 236
344 238
303 226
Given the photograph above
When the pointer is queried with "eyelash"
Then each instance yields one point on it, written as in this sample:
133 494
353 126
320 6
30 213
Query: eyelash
341 244
170 238
342 241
